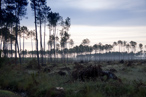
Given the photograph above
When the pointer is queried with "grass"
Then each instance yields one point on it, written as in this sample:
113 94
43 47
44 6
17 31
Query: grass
5 93
36 83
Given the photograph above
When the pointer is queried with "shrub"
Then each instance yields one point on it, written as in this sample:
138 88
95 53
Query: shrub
32 64
2 61
141 92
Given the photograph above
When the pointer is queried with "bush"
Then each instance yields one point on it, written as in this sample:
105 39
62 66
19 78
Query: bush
2 61
32 64
141 92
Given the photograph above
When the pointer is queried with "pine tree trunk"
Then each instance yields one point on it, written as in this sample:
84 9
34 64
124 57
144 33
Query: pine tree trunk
32 45
44 40
11 42
17 42
50 53
20 42
41 48
54 44
23 47
119 53
36 34
4 46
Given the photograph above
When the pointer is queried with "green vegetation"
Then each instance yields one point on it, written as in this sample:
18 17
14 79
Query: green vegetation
5 93
39 83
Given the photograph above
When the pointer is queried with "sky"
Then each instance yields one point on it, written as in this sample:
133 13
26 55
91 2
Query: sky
102 21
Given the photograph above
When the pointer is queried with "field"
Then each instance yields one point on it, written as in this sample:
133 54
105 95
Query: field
55 80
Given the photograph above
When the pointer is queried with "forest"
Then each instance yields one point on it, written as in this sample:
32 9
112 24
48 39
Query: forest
61 68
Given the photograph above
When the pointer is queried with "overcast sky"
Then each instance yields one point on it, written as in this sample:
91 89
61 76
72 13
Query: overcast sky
102 12
100 20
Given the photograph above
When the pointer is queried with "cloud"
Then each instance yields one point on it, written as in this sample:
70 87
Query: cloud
101 12
97 4
97 12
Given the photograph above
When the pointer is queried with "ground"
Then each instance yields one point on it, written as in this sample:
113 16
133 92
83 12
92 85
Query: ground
26 80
